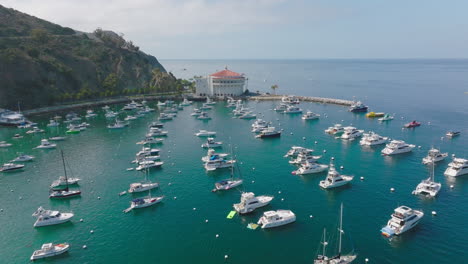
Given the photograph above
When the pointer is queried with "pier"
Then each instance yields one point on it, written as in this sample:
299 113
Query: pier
322 100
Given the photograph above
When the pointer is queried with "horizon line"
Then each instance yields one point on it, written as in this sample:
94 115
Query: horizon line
314 59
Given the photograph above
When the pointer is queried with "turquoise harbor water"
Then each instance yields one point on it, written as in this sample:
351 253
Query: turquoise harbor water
173 232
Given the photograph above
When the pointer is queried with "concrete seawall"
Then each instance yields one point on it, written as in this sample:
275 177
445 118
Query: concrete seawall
322 100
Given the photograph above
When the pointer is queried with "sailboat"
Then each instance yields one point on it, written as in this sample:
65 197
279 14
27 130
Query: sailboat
66 192
228 183
428 187
339 258
144 202
143 186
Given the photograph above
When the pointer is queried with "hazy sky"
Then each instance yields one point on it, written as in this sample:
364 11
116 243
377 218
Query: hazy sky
223 29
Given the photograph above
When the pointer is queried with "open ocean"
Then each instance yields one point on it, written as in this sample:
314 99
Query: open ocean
431 91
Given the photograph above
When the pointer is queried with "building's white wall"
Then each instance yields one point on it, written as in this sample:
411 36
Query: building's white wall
202 87
219 87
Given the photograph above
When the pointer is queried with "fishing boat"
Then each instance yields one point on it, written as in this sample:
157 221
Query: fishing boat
397 147
386 117
45 144
276 218
428 187
372 139
452 134
309 168
309 115
457 167
433 156
4 144
334 179
211 143
358 106
50 250
23 158
374 114
65 192
249 202
339 258
351 133
49 217
412 124
336 129
9 167
402 220
269 132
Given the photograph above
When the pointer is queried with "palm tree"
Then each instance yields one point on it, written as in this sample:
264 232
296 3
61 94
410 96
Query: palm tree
274 87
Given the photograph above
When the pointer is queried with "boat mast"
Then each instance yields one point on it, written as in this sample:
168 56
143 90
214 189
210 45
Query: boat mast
341 229
64 169
325 243
432 174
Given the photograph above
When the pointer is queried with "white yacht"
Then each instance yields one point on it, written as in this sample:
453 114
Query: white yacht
23 158
17 136
209 101
433 156
205 133
48 217
186 102
309 168
457 167
118 124
350 133
90 114
290 99
372 139
403 219
45 144
57 138
206 107
161 103
309 115
334 179
63 182
212 155
292 110
130 117
150 140
165 116
4 144
276 218
7 167
386 117
203 116
53 123
281 108
304 157
249 202
148 164
428 186
147 152
452 134
259 125
337 129
269 132
157 132
248 115
296 150
212 165
142 187
35 130
397 147
110 114
196 112
50 250
106 107
211 143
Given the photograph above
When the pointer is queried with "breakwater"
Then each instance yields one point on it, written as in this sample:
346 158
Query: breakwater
322 100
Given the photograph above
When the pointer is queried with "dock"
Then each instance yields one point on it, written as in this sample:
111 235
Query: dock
322 100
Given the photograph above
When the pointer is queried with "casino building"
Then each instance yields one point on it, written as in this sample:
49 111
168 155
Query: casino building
222 83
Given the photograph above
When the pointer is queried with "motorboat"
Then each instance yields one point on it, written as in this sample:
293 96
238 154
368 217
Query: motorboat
57 138
157 132
211 143
457 167
12 118
336 129
53 123
150 140
281 108
148 164
269 132
290 99
62 181
203 116
351 133
147 152
50 250
412 124
17 136
130 117
205 133
296 150
215 164
142 187
35 130
292 110
386 117
249 202
358 107
186 102
156 125
4 144
132 106
276 218
248 115
48 217
259 125
428 187
309 115
374 114
338 258
65 192
372 139
309 168
334 179
212 155
209 101
206 107
225 185
165 116
106 107
8 167
23 158
118 125
73 130
90 114
196 112
304 157
434 155
45 144
110 114
397 147
161 103
402 220
452 134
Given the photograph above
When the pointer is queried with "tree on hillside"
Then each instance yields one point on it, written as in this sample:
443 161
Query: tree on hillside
40 35
274 87
111 82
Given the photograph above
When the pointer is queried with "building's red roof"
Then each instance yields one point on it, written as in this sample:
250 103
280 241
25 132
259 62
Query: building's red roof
227 74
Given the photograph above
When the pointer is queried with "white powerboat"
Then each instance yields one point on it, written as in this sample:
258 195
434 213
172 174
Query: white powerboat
90 114
281 108
23 158
150 140
452 134
8 167
106 107
276 218
110 114
4 144
148 164
397 147
45 144
434 155
205 133
304 157
403 219
118 125
334 179
428 186
212 155
337 129
248 115
292 110
17 136
350 133
290 99
147 152
211 143
269 132
165 116
142 187
249 202
157 132
35 130
57 138
372 139
48 217
62 181
386 117
53 123
457 167
309 115
50 250
296 150
203 116
206 107
309 168
186 102
130 117
196 112
220 163
259 125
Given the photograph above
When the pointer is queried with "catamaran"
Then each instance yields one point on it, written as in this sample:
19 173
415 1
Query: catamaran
428 186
